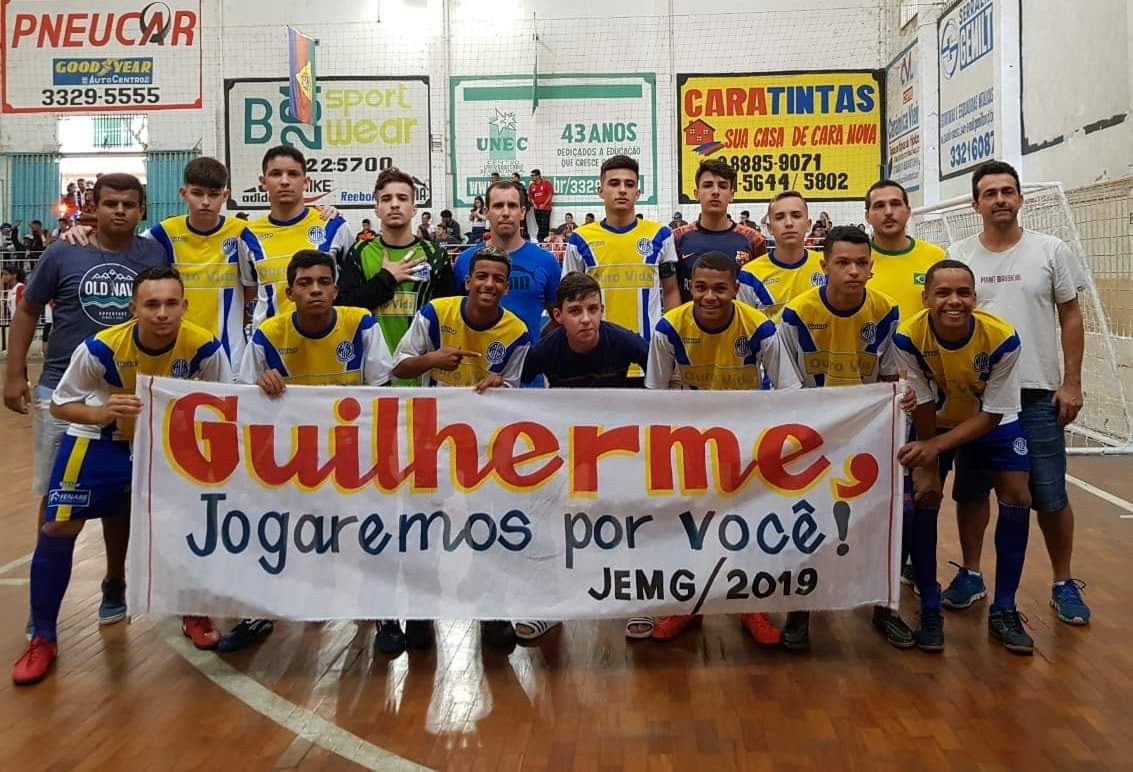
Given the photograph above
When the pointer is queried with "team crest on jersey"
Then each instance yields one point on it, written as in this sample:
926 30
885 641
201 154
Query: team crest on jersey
229 248
344 351
180 368
316 234
1019 446
496 352
919 279
868 333
818 279
644 247
741 347
981 362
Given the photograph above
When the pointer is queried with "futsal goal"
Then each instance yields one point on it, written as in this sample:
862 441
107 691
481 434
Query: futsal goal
1097 223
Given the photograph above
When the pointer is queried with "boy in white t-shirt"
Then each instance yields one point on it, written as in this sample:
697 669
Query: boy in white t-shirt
1032 281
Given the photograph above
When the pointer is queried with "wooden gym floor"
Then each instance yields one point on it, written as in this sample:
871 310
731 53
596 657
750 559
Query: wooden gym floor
138 697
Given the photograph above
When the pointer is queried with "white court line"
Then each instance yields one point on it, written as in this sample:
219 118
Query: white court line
294 718
13 565
1104 495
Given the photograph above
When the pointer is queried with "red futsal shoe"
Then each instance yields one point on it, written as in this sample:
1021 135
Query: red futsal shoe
34 663
761 628
200 631
668 628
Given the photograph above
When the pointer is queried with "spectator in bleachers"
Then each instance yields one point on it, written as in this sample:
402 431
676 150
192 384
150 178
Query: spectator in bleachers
677 221
477 220
448 229
425 227
13 280
589 218
39 237
367 233
9 236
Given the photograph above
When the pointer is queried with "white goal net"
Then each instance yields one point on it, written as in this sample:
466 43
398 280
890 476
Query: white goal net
1094 222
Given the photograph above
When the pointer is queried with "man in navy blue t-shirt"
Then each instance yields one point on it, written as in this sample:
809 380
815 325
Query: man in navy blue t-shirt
585 351
535 273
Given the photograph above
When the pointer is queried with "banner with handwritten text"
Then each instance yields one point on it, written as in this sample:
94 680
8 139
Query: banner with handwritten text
350 503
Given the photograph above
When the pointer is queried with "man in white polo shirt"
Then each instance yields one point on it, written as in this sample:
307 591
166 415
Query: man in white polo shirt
1032 280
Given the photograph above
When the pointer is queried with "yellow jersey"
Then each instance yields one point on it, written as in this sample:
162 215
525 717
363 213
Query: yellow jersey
683 354
769 284
839 348
629 263
110 361
901 275
215 267
280 240
350 351
966 377
502 345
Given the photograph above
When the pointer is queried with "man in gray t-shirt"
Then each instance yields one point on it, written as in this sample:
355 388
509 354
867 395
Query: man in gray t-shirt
90 288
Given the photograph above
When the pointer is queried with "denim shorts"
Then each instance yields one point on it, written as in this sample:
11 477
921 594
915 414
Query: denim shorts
1046 448
48 431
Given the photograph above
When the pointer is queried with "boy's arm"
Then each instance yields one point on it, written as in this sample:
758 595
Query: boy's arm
662 358
778 363
415 353
377 366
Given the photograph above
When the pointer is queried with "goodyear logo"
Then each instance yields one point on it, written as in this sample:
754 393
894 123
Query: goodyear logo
106 71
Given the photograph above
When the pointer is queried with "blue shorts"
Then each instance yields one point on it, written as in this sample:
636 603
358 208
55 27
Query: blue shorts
90 479
1003 449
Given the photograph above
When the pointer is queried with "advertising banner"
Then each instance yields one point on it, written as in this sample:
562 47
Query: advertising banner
362 125
903 121
819 133
967 86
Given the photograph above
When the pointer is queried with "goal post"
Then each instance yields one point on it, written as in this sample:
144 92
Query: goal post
1104 425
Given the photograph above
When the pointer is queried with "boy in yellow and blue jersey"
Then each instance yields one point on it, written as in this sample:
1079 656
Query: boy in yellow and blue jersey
633 259
464 342
713 342
841 334
290 227
315 344
961 363
789 269
91 477
215 255
900 262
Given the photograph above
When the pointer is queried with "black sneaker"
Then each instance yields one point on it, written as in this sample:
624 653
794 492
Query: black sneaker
796 632
892 627
497 632
1006 626
418 633
112 609
907 577
389 639
247 632
930 635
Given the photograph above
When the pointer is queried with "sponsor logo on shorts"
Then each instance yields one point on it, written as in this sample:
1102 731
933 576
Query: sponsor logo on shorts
496 352
1019 446
59 497
344 351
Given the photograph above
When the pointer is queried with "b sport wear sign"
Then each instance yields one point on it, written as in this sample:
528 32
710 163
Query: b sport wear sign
349 503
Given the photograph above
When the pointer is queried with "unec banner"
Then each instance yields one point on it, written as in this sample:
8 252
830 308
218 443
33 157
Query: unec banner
819 133
109 56
349 503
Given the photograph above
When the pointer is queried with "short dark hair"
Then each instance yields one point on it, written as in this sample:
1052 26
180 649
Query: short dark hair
619 162
717 261
886 184
851 234
16 271
308 258
745 213
785 195
157 273
493 254
505 185
37 222
391 175
993 167
284 151
576 286
119 182
365 220
944 265
536 171
206 172
717 167
446 213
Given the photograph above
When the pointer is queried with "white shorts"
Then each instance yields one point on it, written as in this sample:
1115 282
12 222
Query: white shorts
49 432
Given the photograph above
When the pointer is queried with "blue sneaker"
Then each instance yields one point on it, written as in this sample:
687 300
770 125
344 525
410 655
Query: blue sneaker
1066 597
113 606
965 589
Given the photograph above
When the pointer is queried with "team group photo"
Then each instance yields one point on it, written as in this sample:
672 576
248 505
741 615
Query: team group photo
458 385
